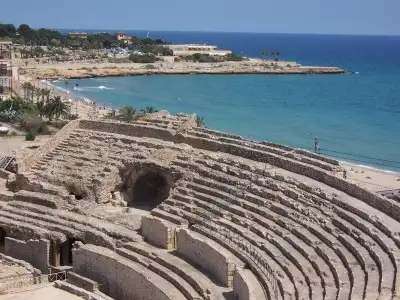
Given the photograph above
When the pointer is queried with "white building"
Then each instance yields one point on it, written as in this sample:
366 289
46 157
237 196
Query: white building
5 69
189 49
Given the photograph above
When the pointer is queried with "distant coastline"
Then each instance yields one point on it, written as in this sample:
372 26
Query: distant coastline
91 70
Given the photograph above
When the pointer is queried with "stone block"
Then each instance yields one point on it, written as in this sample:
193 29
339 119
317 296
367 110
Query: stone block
159 232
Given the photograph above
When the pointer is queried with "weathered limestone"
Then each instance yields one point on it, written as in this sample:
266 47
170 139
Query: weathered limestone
159 232
82 282
208 255
246 286
36 252
223 201
121 278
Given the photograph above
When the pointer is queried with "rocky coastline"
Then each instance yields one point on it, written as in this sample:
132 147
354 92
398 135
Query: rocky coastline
91 70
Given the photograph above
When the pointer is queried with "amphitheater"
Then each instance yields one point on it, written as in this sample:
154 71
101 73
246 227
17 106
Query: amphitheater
162 209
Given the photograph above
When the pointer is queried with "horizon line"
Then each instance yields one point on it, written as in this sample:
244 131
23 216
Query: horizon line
212 31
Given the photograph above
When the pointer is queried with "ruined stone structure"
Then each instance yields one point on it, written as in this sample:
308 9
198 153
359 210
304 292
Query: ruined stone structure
162 209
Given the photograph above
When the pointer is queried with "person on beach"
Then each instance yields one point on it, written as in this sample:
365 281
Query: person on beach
344 174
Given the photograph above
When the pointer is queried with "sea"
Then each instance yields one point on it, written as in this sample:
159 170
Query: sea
355 117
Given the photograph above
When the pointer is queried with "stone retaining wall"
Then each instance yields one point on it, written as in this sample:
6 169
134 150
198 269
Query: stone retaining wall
82 282
117 277
35 252
246 286
159 232
206 254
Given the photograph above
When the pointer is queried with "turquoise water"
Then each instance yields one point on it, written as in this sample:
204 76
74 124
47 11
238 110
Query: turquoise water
355 117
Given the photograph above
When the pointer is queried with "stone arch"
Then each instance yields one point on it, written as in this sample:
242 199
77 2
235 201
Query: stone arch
149 190
144 186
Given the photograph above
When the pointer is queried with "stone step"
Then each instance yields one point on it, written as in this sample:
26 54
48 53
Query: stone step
168 216
6 196
220 205
194 218
380 237
298 277
220 194
372 251
271 282
67 218
42 224
46 200
203 285
183 286
19 228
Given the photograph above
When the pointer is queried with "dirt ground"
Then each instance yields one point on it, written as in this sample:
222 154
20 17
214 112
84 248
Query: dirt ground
44 293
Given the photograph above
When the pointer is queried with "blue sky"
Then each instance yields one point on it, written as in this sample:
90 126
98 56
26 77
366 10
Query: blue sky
286 16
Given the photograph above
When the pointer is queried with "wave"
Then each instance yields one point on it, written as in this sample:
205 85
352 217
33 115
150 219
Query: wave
102 87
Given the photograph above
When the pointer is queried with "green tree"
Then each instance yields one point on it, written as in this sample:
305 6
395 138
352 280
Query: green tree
148 110
12 108
127 114
56 108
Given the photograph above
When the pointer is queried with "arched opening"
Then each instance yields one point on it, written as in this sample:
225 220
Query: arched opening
66 251
149 190
2 239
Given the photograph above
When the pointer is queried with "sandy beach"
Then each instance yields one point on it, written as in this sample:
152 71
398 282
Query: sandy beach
372 179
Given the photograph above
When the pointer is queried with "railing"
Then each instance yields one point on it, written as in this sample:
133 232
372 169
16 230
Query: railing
25 282
5 161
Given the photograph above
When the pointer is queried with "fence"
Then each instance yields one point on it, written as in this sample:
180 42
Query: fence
28 281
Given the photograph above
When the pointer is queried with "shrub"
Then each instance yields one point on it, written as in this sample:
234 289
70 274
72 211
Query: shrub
150 67
30 136
143 59
43 129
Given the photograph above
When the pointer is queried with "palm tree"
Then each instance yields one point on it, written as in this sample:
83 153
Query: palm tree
41 108
264 54
200 121
148 110
28 90
57 108
45 93
127 114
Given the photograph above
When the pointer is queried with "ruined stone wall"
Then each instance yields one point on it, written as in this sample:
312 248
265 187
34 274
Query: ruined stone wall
117 277
158 232
207 255
35 252
383 204
128 129
25 162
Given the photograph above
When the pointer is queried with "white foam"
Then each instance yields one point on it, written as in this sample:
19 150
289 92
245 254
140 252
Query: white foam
102 87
